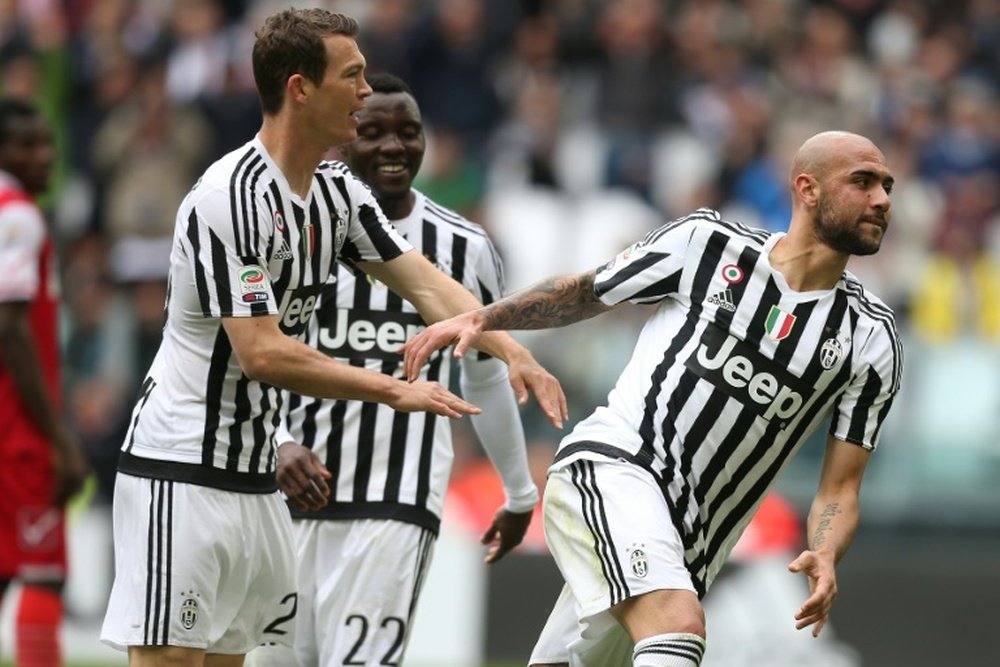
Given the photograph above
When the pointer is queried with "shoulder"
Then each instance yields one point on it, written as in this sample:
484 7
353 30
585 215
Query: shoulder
335 169
340 184
21 221
865 302
703 223
453 223
876 325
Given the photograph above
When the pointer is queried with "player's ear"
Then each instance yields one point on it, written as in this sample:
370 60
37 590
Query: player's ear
297 88
807 189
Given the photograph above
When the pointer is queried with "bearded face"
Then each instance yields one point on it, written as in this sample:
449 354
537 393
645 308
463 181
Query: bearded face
847 229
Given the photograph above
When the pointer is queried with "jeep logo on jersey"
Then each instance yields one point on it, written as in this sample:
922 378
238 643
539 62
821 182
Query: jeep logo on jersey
370 334
297 307
746 375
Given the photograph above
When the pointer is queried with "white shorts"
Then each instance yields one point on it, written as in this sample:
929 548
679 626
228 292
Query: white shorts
198 567
610 533
359 582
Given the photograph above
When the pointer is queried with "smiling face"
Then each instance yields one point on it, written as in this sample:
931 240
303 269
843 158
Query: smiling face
341 93
389 148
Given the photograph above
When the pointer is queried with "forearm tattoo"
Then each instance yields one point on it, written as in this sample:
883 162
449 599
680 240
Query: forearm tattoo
825 520
549 303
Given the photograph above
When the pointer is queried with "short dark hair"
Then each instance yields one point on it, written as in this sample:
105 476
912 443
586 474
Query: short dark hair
291 42
386 83
14 108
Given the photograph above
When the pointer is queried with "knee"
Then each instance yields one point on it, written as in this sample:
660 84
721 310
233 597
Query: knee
659 612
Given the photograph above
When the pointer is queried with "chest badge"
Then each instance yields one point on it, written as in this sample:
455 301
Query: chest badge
779 323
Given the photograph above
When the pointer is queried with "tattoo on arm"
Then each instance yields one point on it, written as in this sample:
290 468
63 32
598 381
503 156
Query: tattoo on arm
550 303
825 520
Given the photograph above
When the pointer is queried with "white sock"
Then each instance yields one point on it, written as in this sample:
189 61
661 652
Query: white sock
675 649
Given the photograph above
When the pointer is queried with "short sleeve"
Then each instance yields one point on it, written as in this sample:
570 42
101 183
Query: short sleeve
370 235
648 271
22 235
224 253
862 408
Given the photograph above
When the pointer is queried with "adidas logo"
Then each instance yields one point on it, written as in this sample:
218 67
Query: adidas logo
283 253
724 300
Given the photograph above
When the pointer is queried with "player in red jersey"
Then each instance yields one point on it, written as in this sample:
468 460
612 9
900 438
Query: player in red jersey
42 464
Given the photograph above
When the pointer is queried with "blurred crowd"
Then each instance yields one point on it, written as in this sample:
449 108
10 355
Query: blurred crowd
568 127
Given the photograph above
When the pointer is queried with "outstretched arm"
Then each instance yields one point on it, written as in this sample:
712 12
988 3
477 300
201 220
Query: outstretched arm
437 296
833 520
268 355
501 433
554 302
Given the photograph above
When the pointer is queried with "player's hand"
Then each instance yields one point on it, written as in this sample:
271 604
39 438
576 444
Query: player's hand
819 570
463 330
525 375
302 477
69 467
431 397
505 533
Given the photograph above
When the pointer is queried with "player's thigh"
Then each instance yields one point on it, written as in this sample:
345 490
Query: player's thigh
199 568
367 578
611 534
165 656
174 656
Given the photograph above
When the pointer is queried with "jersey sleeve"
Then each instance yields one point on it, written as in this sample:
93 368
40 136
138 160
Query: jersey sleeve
486 281
224 248
370 235
22 235
648 271
861 409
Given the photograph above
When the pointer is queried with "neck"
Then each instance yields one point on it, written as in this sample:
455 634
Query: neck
397 208
296 157
805 263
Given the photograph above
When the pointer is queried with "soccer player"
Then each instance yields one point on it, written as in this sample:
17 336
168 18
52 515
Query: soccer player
757 340
363 557
43 465
204 567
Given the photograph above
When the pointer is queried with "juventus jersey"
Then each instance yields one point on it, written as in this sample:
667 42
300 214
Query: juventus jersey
732 374
388 464
244 245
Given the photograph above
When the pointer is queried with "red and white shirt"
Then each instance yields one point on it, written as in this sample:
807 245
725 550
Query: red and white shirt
27 274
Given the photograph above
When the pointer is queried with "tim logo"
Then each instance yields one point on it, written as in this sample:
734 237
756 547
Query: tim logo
189 611
745 374
639 562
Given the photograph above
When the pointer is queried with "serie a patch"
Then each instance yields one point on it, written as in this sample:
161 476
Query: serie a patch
253 284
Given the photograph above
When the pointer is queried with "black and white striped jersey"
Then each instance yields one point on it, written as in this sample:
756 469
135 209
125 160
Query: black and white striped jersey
244 245
732 373
388 464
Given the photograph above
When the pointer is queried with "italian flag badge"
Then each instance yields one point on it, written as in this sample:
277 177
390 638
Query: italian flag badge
779 323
